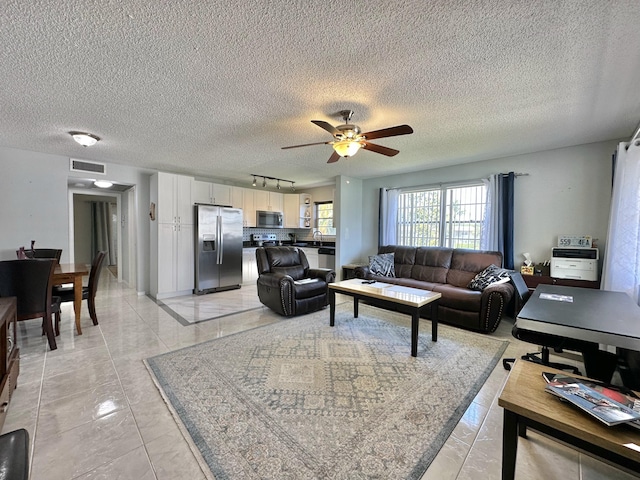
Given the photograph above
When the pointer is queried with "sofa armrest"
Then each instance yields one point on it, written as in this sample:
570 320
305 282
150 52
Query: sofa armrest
362 271
326 274
495 299
274 279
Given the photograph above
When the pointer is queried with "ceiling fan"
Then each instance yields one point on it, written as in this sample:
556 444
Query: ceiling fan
349 139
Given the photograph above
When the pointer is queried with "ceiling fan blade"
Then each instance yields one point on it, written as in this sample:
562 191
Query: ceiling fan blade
326 126
389 152
388 132
334 157
306 145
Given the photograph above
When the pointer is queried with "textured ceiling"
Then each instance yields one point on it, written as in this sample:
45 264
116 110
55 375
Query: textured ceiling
215 89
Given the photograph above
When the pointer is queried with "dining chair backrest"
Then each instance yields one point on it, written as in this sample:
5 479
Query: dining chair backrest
44 253
30 282
94 275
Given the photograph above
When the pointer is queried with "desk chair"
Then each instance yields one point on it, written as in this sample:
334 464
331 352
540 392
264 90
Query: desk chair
67 294
30 281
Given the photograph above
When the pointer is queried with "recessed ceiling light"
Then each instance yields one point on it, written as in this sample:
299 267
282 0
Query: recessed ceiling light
103 184
85 139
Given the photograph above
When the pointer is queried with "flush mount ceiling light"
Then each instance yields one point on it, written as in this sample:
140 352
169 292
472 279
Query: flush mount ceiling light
85 139
103 184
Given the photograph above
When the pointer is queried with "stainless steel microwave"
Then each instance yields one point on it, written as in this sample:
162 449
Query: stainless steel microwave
269 219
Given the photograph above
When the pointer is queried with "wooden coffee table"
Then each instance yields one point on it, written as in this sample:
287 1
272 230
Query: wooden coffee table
527 405
389 297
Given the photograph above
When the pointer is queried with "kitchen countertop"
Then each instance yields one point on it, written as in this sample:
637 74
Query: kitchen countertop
317 245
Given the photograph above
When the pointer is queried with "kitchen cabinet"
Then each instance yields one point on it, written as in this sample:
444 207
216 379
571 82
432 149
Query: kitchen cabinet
211 193
237 197
175 259
249 266
291 210
312 257
173 198
248 208
171 235
268 201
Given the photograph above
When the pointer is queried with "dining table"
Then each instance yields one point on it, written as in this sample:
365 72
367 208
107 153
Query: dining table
72 273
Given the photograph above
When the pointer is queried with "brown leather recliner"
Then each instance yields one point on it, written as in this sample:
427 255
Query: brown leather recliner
287 285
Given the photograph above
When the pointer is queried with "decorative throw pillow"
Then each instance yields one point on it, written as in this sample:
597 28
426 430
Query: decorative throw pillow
382 265
489 276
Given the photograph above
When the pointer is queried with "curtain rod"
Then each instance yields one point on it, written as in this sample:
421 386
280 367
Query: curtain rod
519 174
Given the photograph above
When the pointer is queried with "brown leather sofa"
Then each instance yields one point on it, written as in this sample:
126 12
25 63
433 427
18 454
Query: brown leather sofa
287 285
449 271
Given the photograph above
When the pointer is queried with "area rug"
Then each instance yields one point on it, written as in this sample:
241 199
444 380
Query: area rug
300 399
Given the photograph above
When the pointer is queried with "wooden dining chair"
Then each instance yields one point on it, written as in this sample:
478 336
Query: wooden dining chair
30 281
67 294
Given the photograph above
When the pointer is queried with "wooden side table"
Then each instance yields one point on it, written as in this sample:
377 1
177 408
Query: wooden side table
533 281
526 404
349 270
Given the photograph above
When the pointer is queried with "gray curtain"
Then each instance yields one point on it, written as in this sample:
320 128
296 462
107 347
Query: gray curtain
497 228
388 216
101 230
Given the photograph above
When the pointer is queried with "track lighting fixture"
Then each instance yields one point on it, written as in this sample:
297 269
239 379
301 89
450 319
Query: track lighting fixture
278 180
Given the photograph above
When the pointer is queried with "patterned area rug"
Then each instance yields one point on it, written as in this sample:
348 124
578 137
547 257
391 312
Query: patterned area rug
300 399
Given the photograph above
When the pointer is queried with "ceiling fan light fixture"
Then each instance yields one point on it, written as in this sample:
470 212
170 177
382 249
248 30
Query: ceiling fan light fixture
85 139
346 148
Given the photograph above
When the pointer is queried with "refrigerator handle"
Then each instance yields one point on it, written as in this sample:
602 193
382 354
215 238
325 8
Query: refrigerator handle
220 241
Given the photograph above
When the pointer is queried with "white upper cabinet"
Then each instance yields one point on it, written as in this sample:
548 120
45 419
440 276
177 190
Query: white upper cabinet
213 193
291 210
174 199
237 197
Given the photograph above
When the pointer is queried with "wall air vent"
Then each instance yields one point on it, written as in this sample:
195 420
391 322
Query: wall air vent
87 166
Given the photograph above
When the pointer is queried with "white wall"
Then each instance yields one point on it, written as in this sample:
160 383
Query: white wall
34 204
349 221
567 191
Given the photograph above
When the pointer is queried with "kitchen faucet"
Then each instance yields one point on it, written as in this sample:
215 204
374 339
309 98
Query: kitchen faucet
319 233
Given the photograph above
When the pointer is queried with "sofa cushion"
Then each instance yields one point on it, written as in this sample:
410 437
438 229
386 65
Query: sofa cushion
466 264
459 298
382 265
404 258
489 276
432 264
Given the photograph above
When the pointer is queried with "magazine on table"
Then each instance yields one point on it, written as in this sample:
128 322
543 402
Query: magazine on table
624 396
608 411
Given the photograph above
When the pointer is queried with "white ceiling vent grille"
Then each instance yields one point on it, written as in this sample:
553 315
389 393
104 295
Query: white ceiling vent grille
87 166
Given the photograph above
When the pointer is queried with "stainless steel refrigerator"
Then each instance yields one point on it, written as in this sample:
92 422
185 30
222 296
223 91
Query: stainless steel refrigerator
218 243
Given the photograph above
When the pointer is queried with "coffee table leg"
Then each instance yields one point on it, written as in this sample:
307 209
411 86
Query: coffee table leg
355 307
332 307
434 321
509 445
415 322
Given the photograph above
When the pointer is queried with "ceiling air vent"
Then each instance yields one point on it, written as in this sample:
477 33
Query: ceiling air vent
86 166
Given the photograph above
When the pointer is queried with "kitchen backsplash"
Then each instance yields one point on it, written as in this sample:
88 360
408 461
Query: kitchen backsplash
281 233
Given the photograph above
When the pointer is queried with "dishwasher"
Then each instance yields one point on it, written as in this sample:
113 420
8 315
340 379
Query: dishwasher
327 257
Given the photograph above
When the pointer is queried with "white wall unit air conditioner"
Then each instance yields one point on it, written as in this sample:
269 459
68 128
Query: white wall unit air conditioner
575 263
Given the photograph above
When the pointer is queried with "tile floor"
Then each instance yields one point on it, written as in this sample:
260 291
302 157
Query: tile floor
93 412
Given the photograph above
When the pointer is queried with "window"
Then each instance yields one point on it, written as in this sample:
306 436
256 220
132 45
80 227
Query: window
447 216
324 218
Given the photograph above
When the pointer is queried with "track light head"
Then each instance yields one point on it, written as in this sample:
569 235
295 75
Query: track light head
264 182
254 181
